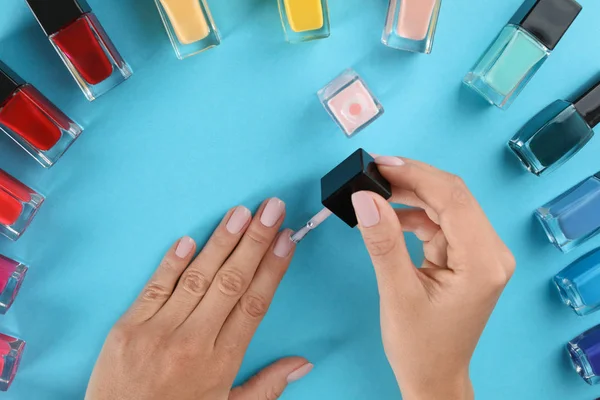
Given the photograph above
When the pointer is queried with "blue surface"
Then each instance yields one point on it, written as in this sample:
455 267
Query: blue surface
169 151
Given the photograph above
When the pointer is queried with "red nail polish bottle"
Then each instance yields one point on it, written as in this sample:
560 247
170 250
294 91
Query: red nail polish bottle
18 206
31 120
82 44
12 274
11 350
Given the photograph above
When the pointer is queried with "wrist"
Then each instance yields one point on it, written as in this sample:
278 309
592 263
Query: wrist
459 388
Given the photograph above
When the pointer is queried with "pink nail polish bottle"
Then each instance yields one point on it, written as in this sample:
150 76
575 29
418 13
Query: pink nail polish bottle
11 350
12 274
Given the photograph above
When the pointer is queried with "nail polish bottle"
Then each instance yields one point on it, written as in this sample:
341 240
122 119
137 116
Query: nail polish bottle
356 173
521 49
82 44
11 350
190 26
557 133
410 25
12 274
18 206
584 351
304 20
579 283
573 217
32 121
350 103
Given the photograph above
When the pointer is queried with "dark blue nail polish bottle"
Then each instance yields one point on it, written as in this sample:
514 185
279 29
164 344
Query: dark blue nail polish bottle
558 132
584 351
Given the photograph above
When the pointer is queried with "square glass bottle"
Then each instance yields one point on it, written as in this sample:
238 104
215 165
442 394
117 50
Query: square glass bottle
82 44
11 350
573 217
18 206
32 121
557 133
521 49
410 25
350 103
579 284
584 352
304 20
190 26
12 274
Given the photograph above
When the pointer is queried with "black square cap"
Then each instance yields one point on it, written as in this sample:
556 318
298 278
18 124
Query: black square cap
588 105
356 173
53 15
9 82
547 20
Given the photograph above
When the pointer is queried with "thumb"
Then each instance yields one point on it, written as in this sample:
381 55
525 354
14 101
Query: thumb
270 383
383 236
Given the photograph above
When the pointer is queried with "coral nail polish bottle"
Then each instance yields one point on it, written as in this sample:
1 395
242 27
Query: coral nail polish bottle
410 25
18 206
82 44
304 20
190 26
11 350
32 121
12 274
573 217
557 132
521 49
584 351
579 284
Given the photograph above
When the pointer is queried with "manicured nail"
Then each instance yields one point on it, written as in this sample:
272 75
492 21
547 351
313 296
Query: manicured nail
238 220
186 244
284 244
272 212
366 209
300 373
389 161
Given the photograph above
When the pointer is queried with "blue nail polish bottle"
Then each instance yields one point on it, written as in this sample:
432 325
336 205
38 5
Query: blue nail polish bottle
573 217
557 133
579 284
521 49
584 351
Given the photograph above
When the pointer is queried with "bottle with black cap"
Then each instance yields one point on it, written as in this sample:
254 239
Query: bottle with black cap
521 49
32 121
558 132
82 44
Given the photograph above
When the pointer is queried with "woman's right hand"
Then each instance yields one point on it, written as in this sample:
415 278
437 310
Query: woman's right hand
432 317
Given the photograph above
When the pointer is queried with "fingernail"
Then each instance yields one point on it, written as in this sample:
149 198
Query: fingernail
366 209
186 244
300 373
389 161
284 244
238 220
272 212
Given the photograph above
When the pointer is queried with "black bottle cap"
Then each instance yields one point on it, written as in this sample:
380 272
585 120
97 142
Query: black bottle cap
547 20
588 105
356 173
53 15
9 82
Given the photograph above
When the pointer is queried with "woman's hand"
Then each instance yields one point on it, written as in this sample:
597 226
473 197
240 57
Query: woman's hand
185 336
432 317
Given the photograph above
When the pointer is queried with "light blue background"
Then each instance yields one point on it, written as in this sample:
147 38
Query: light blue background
167 153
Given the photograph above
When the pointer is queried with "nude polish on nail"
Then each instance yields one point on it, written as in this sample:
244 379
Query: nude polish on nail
185 245
284 244
300 373
238 220
272 212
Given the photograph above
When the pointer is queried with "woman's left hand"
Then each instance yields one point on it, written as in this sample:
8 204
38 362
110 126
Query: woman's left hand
185 336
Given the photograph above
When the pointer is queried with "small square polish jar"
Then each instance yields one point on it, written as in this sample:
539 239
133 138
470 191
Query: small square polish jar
557 132
304 20
12 274
410 25
573 217
190 26
32 121
584 352
82 44
11 350
521 49
18 206
350 102
579 284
